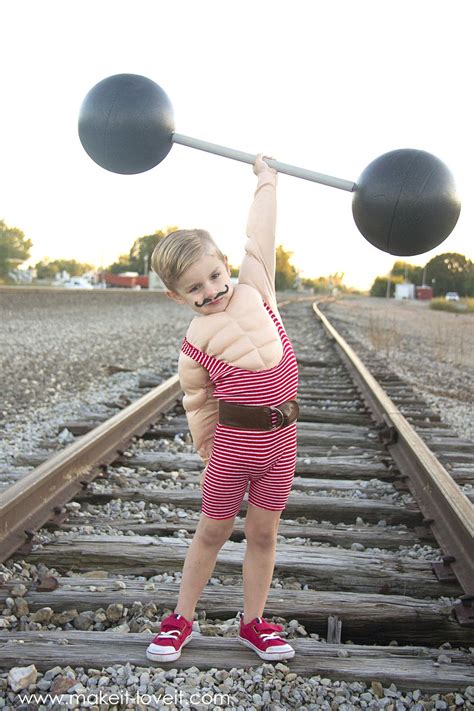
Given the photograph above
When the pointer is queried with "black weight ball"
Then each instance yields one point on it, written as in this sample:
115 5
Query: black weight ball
405 202
126 124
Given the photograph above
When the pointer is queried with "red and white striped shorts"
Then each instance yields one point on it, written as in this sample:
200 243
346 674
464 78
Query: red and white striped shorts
262 460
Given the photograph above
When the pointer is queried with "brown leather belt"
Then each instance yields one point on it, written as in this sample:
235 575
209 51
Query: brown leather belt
257 417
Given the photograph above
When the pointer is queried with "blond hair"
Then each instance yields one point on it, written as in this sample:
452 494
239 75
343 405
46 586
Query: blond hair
178 251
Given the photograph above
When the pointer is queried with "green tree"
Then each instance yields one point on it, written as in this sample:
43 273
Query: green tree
48 268
121 265
14 248
379 286
325 284
285 272
450 272
413 273
139 257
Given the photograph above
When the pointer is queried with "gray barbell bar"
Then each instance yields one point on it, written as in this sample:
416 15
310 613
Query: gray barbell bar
250 158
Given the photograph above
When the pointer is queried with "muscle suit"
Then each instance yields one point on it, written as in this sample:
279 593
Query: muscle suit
243 355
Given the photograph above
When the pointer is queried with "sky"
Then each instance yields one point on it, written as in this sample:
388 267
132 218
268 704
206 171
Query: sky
327 86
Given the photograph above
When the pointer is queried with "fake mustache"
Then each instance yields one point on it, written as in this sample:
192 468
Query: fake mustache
209 301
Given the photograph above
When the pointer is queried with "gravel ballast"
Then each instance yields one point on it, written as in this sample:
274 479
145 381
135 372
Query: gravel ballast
56 348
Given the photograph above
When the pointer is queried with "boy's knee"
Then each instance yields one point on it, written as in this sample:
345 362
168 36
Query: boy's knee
215 531
261 539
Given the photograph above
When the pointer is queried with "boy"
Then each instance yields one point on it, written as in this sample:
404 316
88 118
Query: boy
239 376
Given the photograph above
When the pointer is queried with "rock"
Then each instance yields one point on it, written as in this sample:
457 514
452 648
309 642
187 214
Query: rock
119 585
377 688
51 673
21 677
114 611
444 659
21 607
43 615
18 590
61 618
84 621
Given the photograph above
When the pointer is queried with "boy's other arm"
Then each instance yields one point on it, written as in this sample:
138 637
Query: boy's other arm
202 410
259 263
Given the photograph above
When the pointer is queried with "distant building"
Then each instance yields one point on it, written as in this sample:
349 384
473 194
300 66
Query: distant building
405 291
22 276
124 280
410 291
424 292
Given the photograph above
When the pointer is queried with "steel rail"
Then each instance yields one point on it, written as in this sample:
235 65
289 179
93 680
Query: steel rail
39 496
446 509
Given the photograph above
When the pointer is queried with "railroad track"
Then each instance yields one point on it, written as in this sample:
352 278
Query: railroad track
374 566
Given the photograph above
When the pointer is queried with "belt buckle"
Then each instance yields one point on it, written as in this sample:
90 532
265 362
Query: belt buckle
283 419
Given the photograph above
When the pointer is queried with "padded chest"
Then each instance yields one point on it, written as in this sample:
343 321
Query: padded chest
244 335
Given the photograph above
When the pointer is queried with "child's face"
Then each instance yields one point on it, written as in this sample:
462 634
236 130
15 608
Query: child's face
206 280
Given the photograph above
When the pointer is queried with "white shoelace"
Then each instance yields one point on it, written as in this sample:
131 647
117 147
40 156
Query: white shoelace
264 635
172 633
272 635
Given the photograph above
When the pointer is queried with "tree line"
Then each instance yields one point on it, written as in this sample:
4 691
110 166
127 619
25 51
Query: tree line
445 272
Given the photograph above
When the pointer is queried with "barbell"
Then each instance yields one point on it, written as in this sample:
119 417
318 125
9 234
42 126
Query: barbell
405 202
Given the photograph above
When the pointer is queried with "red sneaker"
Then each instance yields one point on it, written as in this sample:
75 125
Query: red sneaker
175 632
262 637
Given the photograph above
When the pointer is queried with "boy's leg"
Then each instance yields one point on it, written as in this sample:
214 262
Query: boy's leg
261 528
210 536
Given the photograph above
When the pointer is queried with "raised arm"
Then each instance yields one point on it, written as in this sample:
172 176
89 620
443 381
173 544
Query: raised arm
202 410
258 265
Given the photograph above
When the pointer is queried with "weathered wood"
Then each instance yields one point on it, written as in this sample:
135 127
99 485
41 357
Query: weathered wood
149 381
352 466
331 393
461 473
344 398
312 435
326 568
365 618
341 402
455 457
417 413
428 425
32 459
317 362
406 667
341 535
178 424
322 508
445 444
311 414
